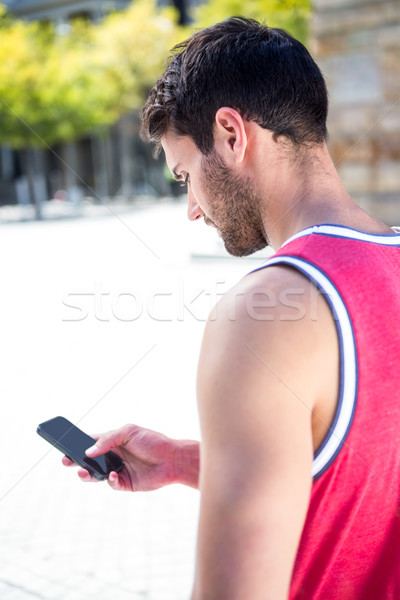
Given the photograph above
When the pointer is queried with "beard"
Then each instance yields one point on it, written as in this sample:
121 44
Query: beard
235 207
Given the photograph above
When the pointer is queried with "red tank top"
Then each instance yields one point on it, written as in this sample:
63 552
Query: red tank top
350 546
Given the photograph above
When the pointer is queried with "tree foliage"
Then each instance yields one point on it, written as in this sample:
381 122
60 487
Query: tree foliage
291 15
57 87
46 88
132 46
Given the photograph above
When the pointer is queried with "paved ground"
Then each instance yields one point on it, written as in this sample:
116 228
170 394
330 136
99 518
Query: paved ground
101 321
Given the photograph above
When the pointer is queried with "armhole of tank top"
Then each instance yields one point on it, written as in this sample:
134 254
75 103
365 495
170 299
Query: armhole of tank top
340 427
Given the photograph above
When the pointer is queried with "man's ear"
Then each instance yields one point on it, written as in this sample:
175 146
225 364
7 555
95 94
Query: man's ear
230 135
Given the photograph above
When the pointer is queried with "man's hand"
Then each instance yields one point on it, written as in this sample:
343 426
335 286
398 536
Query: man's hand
152 460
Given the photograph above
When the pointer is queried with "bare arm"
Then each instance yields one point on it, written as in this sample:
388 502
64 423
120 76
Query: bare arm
258 383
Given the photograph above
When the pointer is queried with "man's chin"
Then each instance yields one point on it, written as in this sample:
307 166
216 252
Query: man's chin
237 251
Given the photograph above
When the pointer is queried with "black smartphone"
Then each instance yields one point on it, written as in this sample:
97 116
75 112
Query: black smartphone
73 442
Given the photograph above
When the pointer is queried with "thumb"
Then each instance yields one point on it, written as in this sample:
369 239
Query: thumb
102 445
107 441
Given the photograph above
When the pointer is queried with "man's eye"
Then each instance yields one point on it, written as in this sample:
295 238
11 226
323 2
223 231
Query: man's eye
186 180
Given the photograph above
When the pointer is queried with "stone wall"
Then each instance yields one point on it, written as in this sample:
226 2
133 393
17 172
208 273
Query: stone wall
357 45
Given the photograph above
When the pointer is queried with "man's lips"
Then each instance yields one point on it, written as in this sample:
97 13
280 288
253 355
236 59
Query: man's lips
208 221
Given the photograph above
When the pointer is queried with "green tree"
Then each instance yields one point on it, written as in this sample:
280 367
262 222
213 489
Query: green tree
291 15
50 86
131 48
57 88
49 90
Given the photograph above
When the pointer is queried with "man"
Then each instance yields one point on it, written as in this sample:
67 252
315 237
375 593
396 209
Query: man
298 379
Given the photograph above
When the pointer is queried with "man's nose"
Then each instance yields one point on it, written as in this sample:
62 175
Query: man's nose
194 210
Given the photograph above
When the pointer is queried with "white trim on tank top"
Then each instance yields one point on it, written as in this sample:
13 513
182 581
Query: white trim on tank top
349 233
336 437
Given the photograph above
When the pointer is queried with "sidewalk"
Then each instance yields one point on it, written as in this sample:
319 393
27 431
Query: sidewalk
76 344
63 209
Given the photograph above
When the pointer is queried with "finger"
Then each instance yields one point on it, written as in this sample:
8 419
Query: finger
114 481
85 476
67 462
102 445
105 442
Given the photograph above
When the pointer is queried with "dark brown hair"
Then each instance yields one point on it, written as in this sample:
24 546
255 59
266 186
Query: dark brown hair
264 73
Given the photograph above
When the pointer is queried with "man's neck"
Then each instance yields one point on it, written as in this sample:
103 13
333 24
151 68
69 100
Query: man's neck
308 192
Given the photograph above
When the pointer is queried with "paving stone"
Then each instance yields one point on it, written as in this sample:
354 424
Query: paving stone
62 539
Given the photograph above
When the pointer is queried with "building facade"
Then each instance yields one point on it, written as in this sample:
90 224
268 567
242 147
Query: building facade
61 11
357 45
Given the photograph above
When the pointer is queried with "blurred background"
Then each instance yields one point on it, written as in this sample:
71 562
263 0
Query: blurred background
106 286
73 75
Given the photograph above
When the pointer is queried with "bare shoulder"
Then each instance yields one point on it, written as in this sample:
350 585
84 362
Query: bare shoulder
272 308
276 294
276 325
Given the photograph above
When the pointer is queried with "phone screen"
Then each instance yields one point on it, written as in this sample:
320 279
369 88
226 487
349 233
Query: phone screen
73 442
